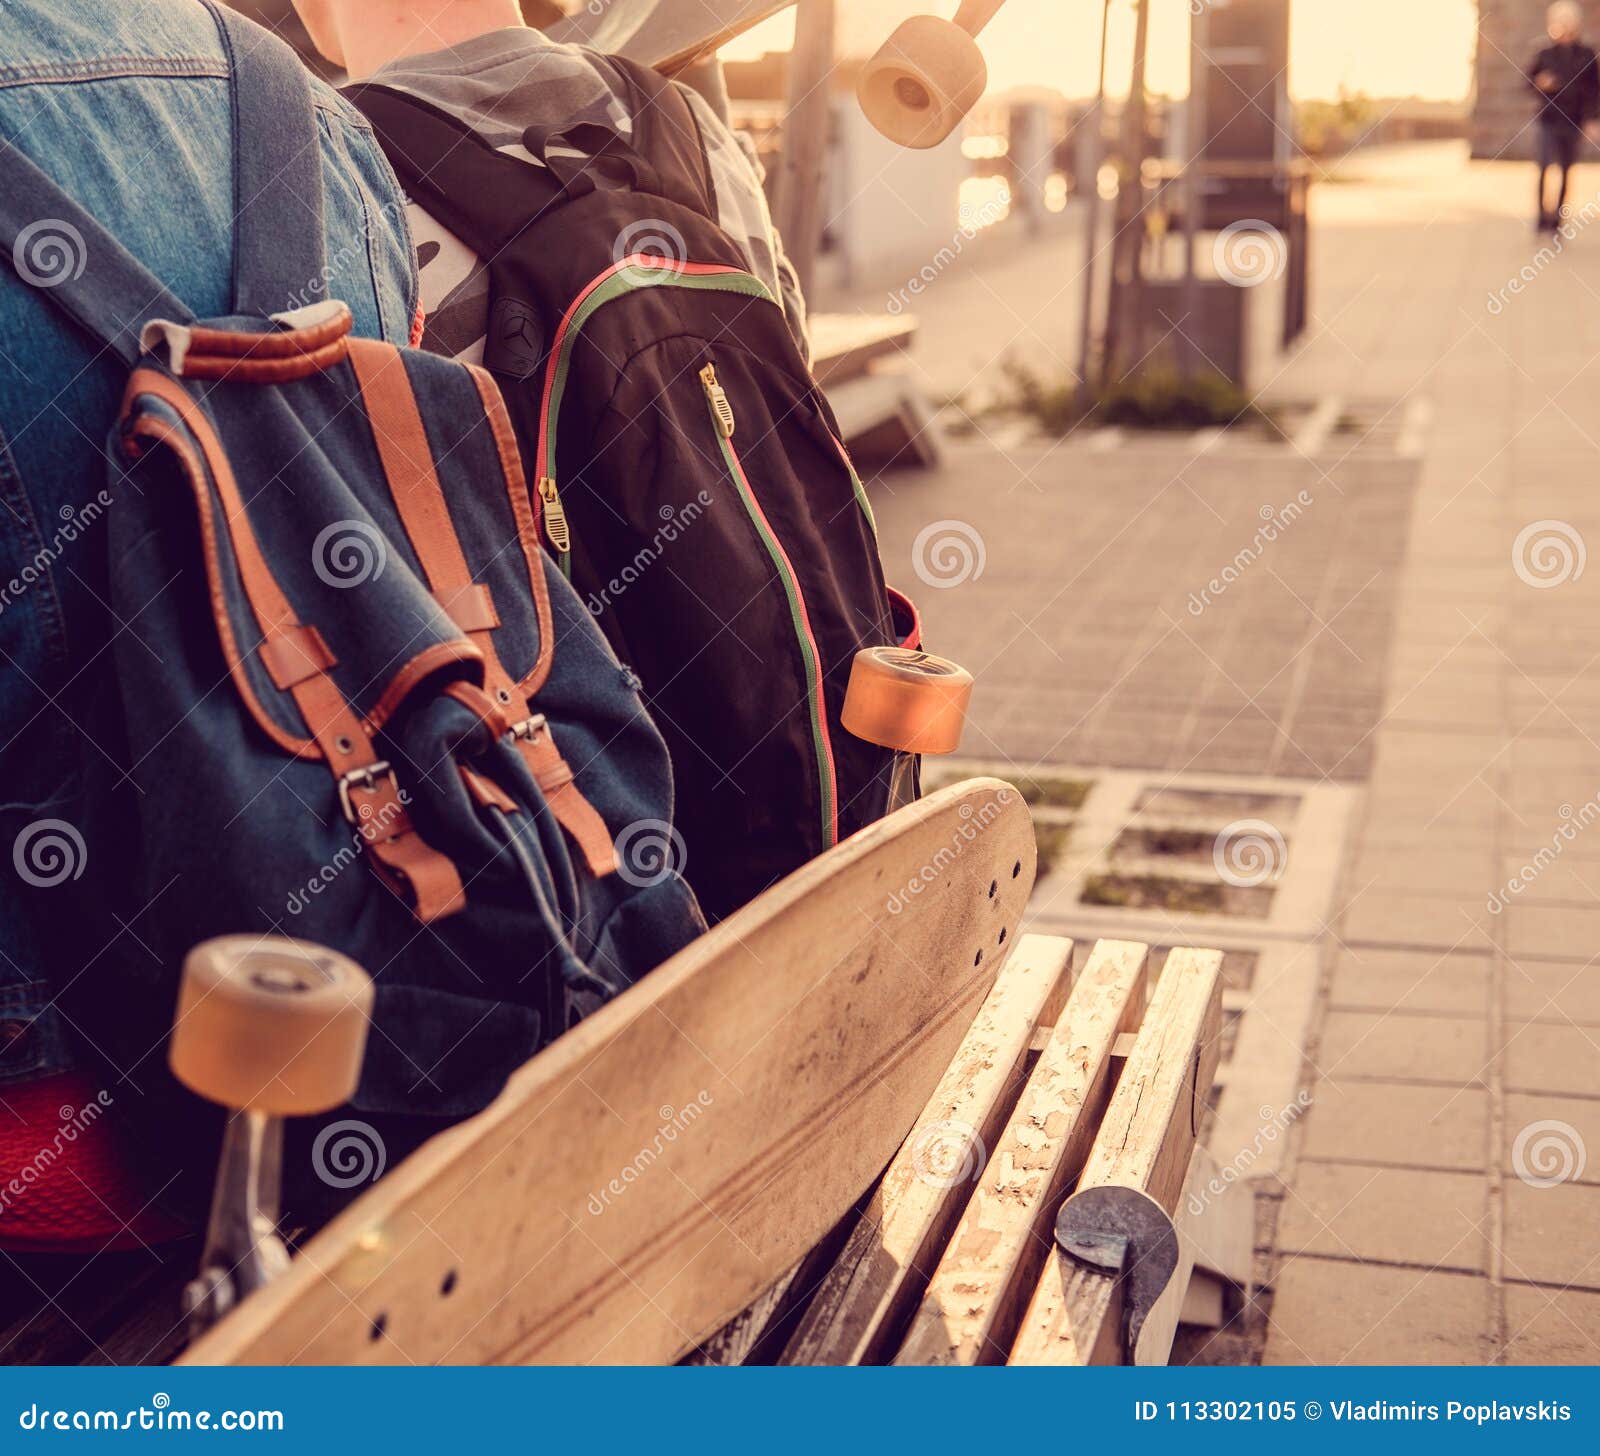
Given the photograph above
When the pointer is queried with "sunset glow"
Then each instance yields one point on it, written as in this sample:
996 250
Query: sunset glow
1419 48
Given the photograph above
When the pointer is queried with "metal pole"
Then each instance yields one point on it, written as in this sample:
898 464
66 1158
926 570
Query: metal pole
1091 228
1129 241
1199 35
801 192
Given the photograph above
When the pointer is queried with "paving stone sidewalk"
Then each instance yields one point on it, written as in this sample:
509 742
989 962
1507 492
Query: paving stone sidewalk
1426 626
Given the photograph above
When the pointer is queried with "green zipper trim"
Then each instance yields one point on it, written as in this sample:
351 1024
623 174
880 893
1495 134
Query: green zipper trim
791 591
858 488
613 288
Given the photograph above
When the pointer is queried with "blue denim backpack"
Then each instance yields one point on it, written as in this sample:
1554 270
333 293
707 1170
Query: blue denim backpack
353 700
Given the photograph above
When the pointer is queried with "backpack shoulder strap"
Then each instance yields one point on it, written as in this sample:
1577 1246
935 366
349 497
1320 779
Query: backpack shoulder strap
56 247
485 197
667 133
277 169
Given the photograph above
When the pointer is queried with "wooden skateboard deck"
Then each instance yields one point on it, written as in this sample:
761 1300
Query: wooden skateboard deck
666 34
647 1176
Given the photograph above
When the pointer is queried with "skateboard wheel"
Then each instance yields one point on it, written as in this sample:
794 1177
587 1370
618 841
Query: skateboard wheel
923 81
907 700
270 1024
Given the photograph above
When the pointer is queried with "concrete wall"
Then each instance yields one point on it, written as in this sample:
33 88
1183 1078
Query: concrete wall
1509 33
891 212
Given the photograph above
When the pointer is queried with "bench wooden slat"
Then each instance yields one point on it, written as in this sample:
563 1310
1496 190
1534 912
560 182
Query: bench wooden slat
1145 1143
898 1240
970 1309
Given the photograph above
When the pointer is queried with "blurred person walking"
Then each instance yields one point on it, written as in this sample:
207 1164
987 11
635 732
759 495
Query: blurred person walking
1566 79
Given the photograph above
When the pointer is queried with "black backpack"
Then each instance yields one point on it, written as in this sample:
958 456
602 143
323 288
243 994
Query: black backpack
688 471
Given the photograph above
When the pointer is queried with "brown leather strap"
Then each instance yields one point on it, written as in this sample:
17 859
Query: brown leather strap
419 497
487 792
292 656
573 812
399 854
263 371
273 343
505 440
271 357
471 608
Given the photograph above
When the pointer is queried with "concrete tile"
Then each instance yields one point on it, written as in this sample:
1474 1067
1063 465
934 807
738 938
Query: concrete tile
1380 916
1432 873
1395 1045
1550 1234
1551 1326
1399 1124
1386 1215
1540 930
1546 1057
1552 991
1410 980
1568 880
1331 1313
1434 808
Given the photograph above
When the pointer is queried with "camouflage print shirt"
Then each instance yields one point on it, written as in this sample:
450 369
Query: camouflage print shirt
502 83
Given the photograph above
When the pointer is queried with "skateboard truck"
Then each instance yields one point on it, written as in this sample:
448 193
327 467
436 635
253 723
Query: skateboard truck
910 701
1126 1234
269 1028
927 76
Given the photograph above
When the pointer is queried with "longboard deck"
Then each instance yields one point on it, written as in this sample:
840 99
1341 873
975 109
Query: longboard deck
666 34
647 1176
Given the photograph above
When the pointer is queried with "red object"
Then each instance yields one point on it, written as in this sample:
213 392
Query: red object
418 320
68 1181
907 620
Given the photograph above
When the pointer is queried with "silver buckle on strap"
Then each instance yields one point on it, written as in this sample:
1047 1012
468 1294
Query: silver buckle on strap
364 778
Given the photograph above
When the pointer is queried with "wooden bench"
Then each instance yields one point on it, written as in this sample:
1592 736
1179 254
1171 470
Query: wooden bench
1062 1085
1053 1084
884 415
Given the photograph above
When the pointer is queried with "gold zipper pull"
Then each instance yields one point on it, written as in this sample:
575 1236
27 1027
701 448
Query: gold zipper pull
719 400
555 515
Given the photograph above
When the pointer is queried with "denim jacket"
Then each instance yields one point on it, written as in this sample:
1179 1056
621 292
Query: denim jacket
127 108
